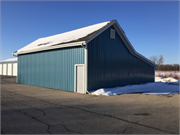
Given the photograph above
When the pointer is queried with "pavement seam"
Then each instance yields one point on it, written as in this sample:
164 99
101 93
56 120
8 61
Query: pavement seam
107 115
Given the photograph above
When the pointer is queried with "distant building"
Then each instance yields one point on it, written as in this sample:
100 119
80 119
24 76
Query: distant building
9 67
86 59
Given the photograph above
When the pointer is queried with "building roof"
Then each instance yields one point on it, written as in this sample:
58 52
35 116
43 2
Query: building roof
80 37
82 34
9 60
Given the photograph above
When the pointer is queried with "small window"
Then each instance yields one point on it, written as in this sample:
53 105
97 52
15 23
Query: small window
112 33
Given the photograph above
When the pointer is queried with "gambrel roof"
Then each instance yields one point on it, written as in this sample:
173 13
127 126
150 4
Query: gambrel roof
79 37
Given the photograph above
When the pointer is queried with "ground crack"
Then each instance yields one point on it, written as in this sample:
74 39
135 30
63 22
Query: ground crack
107 115
37 120
125 130
71 130
44 113
64 126
121 119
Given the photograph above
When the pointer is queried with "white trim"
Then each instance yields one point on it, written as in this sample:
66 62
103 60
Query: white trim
85 68
75 76
126 42
52 47
1 67
17 74
100 32
154 73
133 50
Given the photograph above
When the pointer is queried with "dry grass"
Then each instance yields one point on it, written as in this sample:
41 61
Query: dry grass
167 74
168 71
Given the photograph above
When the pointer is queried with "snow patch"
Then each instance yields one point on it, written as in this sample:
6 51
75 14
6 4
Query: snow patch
167 80
160 87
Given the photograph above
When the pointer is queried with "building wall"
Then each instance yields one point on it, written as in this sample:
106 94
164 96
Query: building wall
1 69
51 69
110 64
8 68
14 70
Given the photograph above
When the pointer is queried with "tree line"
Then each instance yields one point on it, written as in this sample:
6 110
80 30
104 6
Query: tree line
166 67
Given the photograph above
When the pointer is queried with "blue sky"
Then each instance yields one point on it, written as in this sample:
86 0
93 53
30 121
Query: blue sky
152 27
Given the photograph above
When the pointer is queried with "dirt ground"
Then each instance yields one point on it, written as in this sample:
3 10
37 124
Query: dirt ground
29 109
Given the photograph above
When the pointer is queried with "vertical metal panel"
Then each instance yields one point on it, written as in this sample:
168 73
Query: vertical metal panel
9 69
4 69
110 64
52 69
14 69
0 69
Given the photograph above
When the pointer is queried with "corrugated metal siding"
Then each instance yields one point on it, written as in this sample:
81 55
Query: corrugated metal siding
14 70
1 69
8 68
110 64
5 69
52 69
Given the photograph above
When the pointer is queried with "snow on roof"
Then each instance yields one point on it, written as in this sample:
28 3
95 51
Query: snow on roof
73 35
10 60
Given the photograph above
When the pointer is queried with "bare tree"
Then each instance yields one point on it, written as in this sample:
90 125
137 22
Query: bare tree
169 67
153 59
157 60
160 60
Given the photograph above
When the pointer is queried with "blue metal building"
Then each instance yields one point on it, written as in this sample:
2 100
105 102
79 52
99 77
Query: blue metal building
100 56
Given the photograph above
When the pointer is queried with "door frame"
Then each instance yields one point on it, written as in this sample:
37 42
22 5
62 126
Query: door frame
75 67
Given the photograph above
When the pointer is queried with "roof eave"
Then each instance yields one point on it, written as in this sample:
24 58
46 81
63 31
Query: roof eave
52 47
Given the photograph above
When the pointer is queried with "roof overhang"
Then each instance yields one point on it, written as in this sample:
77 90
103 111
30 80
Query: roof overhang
72 44
52 47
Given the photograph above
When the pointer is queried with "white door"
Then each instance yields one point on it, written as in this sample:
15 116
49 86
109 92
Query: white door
4 69
79 78
0 69
9 71
14 69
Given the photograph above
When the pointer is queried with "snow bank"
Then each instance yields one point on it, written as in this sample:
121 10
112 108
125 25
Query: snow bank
63 37
160 87
166 80
10 60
